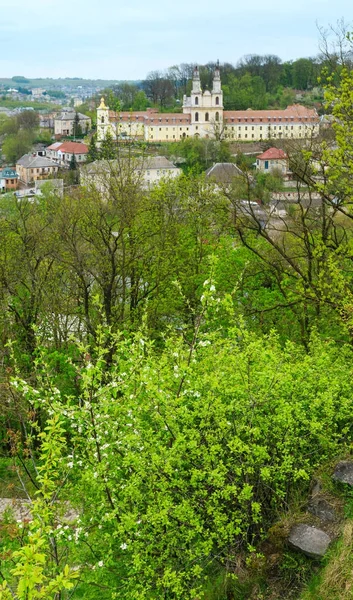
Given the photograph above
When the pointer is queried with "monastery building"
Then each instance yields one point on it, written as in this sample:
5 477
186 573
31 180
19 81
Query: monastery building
203 116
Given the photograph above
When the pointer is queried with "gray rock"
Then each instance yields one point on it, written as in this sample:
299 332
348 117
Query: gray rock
309 540
344 472
322 509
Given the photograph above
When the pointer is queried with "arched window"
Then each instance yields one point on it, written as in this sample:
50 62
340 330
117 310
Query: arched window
102 120
217 100
217 116
207 117
196 101
196 116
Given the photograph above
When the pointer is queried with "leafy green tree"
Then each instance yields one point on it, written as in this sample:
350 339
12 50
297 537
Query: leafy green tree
77 129
16 145
28 120
93 152
108 148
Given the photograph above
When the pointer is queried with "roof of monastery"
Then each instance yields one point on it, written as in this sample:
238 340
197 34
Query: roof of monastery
150 117
296 112
70 147
272 154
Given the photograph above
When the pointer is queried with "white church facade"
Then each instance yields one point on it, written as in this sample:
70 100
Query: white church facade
204 116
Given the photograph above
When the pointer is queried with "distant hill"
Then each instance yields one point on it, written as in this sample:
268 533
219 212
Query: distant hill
69 83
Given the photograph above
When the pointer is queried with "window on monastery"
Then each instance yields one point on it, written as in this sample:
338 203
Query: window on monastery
196 127
217 116
253 128
173 136
260 135
260 126
160 129
239 135
239 127
246 127
196 116
291 126
207 118
252 135
166 137
280 127
246 135
196 101
217 100
102 120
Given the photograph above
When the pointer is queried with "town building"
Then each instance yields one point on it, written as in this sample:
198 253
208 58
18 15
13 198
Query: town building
204 116
145 172
64 123
61 153
274 159
223 174
31 167
8 179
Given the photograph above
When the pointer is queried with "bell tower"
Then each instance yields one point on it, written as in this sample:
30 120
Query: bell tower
103 123
196 85
217 95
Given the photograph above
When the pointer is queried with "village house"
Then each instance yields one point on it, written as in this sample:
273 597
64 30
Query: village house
203 116
31 167
8 179
64 123
61 153
146 171
274 159
223 174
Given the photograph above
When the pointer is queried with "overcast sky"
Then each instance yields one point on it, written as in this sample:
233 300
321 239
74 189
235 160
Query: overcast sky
112 39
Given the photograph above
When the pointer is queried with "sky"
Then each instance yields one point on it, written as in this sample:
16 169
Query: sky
111 39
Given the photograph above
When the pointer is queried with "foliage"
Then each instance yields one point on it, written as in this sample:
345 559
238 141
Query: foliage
194 450
16 145
35 574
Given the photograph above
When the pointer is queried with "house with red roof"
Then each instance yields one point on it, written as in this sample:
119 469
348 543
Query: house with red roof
61 153
273 159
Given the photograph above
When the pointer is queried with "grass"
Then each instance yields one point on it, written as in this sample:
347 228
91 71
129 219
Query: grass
335 582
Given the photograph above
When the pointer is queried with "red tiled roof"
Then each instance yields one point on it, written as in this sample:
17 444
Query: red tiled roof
151 117
273 154
296 112
70 147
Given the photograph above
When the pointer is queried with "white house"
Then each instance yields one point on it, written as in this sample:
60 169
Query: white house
144 171
274 159
61 152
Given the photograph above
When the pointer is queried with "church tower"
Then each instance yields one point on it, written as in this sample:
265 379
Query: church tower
103 123
217 95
